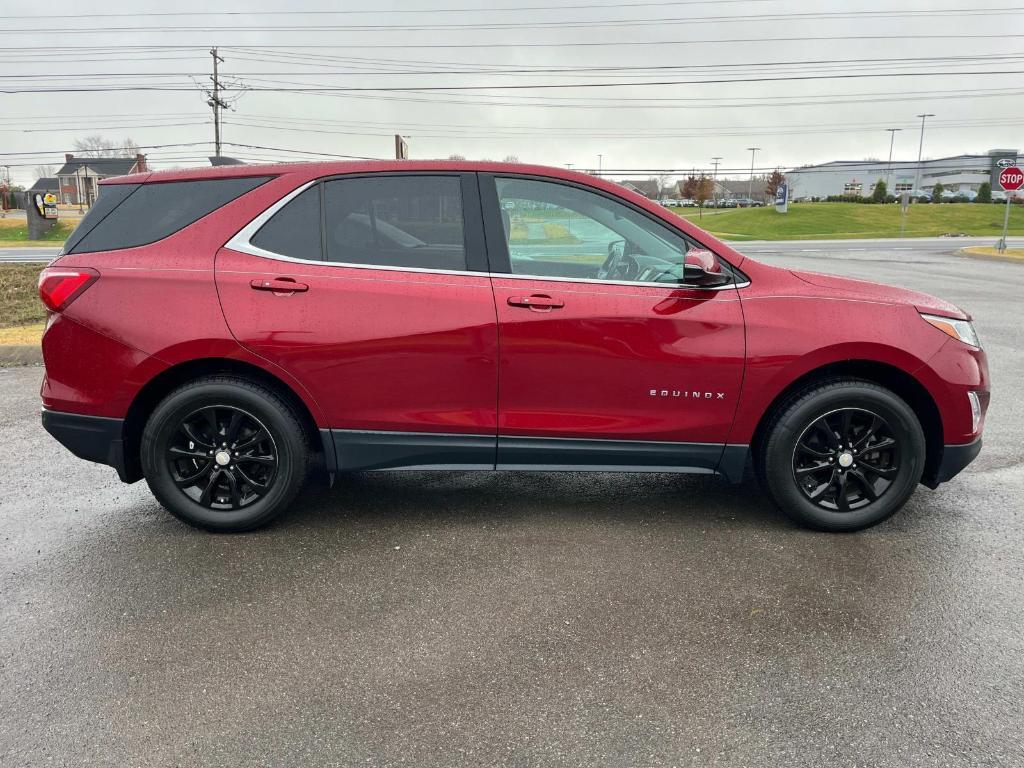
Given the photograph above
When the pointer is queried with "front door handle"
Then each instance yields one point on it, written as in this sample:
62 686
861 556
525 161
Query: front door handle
279 285
538 301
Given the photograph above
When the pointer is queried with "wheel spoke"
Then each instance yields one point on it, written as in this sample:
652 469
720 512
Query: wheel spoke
811 451
886 472
821 490
841 501
883 444
235 494
211 421
253 440
865 484
231 434
187 481
863 440
257 487
184 453
805 471
844 427
205 496
250 458
830 435
192 435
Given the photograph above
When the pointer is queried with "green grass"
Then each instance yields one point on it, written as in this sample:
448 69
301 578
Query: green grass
14 234
19 298
810 221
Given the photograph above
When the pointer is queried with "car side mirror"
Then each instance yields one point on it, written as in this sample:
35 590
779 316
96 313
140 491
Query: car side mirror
702 268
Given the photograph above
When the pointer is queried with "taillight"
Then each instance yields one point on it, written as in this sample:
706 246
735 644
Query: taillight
59 286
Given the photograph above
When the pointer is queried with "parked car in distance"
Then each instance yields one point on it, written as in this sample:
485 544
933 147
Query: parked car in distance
222 332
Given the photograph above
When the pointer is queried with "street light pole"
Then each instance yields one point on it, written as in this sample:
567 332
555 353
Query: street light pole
750 185
920 148
78 189
714 179
888 168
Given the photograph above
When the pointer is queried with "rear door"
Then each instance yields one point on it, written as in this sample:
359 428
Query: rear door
372 291
607 358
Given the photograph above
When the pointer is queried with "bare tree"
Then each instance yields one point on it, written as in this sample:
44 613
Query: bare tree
45 171
456 157
511 159
101 146
704 190
663 184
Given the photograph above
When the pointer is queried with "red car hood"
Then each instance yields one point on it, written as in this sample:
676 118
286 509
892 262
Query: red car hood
862 289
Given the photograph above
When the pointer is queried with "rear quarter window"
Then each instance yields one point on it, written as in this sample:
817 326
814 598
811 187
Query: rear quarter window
151 212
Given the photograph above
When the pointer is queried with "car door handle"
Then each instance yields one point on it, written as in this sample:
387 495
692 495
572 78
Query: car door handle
279 285
537 301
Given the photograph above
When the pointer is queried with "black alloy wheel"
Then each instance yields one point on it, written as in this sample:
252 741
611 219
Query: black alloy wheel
846 459
226 453
222 457
841 455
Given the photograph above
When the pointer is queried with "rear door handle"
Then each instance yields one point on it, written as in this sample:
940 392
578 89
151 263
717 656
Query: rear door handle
279 285
537 301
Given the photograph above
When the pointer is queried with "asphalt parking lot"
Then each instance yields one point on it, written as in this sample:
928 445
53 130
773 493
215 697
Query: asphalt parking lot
533 619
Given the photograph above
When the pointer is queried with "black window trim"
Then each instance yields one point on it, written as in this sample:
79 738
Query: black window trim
472 219
497 247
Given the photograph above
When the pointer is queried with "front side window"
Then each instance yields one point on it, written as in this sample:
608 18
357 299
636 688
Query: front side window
554 230
405 222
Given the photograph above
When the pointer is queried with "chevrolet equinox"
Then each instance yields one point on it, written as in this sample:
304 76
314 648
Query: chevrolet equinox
221 332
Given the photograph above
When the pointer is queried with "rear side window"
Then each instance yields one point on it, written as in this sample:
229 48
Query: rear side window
411 222
110 196
155 211
294 230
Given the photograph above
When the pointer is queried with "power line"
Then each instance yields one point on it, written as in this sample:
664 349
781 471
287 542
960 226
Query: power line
297 88
618 23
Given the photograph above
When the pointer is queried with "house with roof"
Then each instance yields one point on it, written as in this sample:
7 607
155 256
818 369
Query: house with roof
79 177
44 185
646 187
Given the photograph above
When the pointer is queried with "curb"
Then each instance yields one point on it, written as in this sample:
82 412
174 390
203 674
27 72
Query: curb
20 354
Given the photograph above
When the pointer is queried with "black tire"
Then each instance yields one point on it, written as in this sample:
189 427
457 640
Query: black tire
255 483
866 479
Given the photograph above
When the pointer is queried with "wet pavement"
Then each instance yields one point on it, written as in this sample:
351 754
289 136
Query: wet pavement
523 619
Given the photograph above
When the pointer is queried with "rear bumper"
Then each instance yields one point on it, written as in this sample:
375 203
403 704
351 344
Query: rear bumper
93 438
954 459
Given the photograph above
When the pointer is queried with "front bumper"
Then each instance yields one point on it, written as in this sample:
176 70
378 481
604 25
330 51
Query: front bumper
953 460
93 438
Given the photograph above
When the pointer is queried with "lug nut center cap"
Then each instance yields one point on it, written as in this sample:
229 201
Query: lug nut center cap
845 459
223 458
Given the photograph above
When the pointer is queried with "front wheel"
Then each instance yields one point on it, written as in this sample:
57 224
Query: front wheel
224 453
843 455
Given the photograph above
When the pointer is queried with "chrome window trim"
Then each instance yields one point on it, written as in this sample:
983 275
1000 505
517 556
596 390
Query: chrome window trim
241 243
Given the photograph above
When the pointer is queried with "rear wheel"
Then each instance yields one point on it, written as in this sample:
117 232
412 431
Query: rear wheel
224 453
843 455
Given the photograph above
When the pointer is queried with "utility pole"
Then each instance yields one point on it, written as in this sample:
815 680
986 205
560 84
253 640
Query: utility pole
750 185
3 194
215 101
600 165
920 147
888 168
715 161
78 189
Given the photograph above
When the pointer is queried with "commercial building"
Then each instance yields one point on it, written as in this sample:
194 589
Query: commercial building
959 175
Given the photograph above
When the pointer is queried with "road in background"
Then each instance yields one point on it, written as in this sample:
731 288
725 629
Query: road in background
490 618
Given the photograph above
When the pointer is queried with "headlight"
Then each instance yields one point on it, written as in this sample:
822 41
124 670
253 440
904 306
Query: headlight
961 330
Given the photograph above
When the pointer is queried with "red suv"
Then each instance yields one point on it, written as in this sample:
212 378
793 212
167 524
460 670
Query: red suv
223 331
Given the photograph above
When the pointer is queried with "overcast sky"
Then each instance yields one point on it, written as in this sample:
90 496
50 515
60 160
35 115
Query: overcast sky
956 48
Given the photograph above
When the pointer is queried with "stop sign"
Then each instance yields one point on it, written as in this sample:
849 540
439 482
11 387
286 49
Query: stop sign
1011 178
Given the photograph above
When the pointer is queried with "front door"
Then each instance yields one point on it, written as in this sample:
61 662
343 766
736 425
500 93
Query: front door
606 358
372 291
